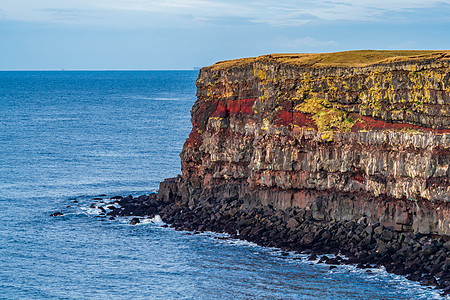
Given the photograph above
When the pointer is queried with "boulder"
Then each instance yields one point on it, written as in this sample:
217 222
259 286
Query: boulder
134 221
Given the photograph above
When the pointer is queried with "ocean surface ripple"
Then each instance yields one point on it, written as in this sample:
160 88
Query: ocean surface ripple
67 137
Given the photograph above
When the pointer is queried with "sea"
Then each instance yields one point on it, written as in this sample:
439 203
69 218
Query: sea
67 137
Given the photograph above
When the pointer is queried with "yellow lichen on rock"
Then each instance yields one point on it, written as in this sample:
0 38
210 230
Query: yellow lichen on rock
327 136
326 115
261 74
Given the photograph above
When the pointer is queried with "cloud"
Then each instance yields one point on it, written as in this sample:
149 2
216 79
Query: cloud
281 15
308 42
404 45
48 10
303 43
369 10
289 13
68 14
345 10
175 7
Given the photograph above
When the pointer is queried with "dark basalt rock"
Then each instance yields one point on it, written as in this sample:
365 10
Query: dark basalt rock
134 221
263 163
420 257
446 245
312 257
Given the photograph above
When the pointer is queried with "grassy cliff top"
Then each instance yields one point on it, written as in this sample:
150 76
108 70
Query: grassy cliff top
359 58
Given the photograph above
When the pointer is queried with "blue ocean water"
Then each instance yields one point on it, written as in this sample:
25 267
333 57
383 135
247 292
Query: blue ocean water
67 136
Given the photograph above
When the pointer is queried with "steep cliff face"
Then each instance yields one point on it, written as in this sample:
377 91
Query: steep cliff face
343 135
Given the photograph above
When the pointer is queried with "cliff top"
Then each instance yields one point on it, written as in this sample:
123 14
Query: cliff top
358 58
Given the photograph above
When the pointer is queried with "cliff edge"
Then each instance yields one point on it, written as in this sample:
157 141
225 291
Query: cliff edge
340 136
338 153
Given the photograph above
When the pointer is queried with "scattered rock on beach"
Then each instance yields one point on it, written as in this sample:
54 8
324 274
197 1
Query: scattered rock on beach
134 221
423 258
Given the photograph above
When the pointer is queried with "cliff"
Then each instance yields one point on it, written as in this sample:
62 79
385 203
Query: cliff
340 136
340 153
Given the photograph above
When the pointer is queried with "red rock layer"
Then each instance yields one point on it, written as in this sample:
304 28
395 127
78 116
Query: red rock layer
389 163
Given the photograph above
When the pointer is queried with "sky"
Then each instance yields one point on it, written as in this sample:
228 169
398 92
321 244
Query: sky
184 34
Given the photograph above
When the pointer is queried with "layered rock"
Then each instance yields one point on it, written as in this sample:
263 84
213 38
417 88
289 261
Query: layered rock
343 135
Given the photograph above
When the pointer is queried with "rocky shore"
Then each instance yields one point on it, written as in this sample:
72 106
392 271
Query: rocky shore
336 153
422 258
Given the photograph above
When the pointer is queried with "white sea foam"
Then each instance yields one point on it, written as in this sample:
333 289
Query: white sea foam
158 221
375 274
91 210
143 221
107 206
379 274
236 242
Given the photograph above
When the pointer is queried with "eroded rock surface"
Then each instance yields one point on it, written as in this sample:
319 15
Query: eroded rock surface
343 153
342 141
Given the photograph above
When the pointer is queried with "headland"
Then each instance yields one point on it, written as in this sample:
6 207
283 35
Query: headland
344 153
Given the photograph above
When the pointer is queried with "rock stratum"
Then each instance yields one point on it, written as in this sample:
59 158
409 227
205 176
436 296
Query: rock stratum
341 153
342 136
